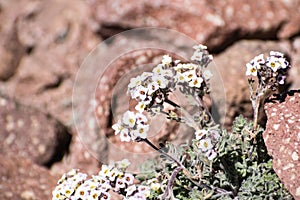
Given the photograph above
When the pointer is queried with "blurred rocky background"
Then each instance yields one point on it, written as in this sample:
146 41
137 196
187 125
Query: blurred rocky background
43 43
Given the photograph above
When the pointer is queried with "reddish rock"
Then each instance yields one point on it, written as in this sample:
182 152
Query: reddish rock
214 23
79 157
29 133
21 179
57 35
11 49
282 138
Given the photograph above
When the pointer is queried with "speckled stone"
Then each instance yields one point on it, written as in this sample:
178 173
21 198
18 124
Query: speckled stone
282 138
29 133
20 179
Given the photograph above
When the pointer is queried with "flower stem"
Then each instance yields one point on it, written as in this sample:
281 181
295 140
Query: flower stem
255 114
162 152
172 103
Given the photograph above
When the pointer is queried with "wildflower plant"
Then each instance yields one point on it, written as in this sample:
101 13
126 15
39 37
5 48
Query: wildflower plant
269 72
216 164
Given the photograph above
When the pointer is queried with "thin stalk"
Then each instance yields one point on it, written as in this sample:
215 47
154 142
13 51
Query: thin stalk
202 104
255 114
171 182
184 170
172 103
185 114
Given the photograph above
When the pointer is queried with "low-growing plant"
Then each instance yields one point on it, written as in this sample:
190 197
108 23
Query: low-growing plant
216 164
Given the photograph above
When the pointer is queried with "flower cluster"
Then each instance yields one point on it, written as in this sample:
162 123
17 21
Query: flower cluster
133 126
75 185
206 140
270 71
151 89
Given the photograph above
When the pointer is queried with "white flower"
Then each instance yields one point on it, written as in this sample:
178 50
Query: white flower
273 63
117 127
196 82
211 154
81 192
105 196
180 77
207 74
134 82
158 69
140 107
105 186
251 70
276 54
120 183
123 164
56 195
140 93
94 195
130 190
114 173
124 135
140 118
140 132
146 75
205 144
178 67
189 75
152 87
129 118
283 63
167 73
144 190
160 81
200 134
200 47
156 109
128 178
166 60
105 170
258 60
155 186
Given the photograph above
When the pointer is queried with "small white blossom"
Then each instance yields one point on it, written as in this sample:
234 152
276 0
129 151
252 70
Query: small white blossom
152 87
211 154
166 60
140 92
276 54
134 82
140 118
189 75
158 69
251 70
140 107
273 63
129 118
130 190
196 82
128 178
207 74
117 127
200 134
123 164
94 195
120 183
140 132
205 144
124 135
160 81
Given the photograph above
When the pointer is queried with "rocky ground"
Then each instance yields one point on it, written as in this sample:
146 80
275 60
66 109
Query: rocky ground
43 43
